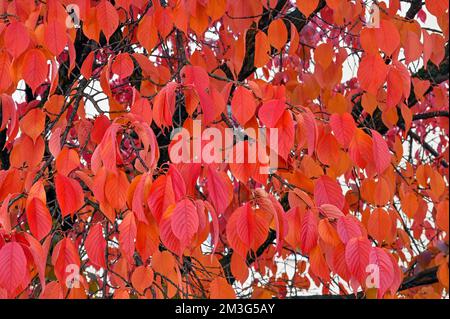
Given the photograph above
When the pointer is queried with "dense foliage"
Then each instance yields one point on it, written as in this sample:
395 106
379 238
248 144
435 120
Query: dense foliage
95 204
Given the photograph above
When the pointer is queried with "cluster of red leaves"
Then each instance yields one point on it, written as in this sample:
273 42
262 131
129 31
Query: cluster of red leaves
347 192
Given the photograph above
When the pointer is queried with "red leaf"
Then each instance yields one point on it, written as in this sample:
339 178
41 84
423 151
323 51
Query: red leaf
385 270
165 191
65 259
197 78
69 194
16 38
55 37
331 211
311 131
328 191
381 154
39 254
339 263
215 223
372 73
357 252
5 78
246 230
348 228
164 105
388 37
123 65
127 236
39 218
394 88
185 221
344 127
309 231
13 266
243 105
35 68
5 219
86 68
270 112
361 149
107 17
220 189
96 246
138 198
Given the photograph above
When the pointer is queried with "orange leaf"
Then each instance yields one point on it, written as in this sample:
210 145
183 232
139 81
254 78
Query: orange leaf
323 54
220 289
39 218
379 225
67 161
33 123
442 217
142 278
262 49
307 7
361 149
277 34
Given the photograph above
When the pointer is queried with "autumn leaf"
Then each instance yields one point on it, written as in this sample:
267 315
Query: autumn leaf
193 149
13 265
96 246
70 195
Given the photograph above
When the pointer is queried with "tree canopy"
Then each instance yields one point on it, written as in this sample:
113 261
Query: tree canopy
95 202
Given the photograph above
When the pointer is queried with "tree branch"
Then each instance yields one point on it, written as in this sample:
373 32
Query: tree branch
430 115
423 278
415 7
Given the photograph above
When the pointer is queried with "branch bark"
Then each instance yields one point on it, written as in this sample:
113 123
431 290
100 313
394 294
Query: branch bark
423 278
